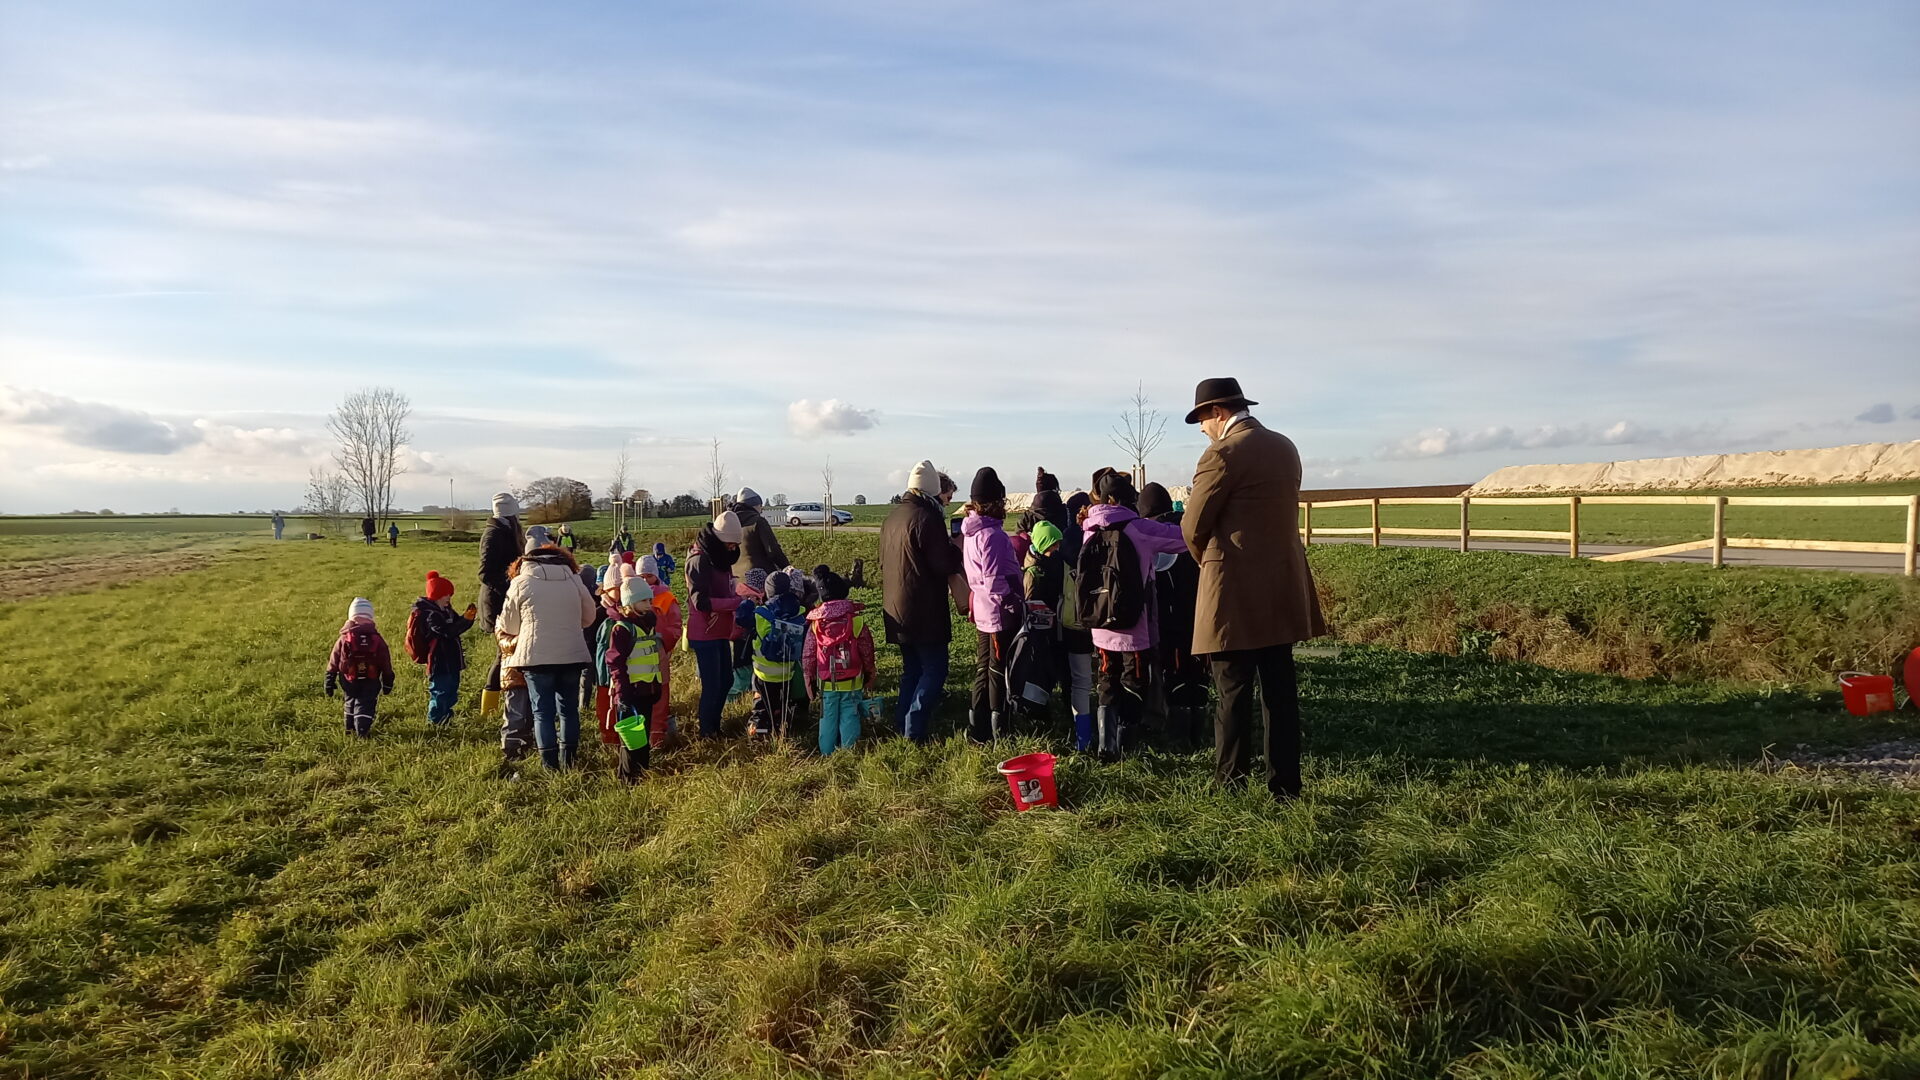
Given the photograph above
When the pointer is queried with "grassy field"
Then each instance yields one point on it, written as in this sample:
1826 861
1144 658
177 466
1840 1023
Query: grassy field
1664 524
1501 869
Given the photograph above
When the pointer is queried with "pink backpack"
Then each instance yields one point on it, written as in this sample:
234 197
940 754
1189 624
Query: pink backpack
836 647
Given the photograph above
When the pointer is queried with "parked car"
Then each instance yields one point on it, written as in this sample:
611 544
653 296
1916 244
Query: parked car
815 514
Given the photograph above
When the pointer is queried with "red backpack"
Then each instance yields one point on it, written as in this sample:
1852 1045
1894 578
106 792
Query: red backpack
836 647
419 638
363 652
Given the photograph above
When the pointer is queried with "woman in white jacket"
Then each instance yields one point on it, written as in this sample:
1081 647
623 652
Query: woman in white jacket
545 610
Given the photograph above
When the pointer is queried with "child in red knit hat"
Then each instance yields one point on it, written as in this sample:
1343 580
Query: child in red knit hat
433 639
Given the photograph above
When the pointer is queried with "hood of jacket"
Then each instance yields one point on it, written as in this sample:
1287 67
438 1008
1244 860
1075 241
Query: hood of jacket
548 565
748 514
836 609
1104 514
785 606
1049 505
1154 501
978 523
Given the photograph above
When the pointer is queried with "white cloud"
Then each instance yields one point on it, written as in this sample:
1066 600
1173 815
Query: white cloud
1878 414
94 425
812 419
1446 442
25 163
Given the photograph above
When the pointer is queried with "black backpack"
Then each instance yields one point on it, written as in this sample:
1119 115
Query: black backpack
1112 594
1030 666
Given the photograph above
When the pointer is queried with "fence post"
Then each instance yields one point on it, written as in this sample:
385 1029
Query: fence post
1465 534
1913 535
1376 521
1719 530
1573 526
1306 517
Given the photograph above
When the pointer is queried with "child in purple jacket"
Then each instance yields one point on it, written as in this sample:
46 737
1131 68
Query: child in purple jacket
996 599
1124 654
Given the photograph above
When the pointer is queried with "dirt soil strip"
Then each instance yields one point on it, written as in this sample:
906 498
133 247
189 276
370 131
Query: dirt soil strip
95 569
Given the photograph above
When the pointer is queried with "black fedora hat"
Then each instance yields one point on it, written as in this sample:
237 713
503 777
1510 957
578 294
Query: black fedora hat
1216 392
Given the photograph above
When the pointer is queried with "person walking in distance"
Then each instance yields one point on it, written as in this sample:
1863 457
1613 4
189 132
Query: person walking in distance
1256 596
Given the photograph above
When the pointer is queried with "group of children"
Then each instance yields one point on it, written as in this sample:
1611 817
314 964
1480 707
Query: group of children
798 638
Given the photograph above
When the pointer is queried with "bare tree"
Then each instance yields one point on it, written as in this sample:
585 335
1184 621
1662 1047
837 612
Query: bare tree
1139 433
371 425
617 487
327 498
826 481
716 475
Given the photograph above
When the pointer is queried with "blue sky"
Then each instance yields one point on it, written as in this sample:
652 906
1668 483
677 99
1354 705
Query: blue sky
1431 238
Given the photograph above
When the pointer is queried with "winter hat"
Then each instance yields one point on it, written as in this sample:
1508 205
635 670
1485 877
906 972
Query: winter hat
588 578
778 583
438 588
660 549
1154 501
1077 502
361 608
756 580
747 497
924 478
1116 485
627 557
537 538
600 576
635 593
987 486
832 585
505 505
1045 481
1045 535
650 565
727 527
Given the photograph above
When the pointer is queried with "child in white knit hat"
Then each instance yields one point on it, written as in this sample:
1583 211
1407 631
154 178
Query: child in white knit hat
360 667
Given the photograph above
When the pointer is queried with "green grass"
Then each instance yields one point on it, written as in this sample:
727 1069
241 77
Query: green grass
1664 524
1501 870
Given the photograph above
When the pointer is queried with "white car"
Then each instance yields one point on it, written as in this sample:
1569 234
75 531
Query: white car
815 514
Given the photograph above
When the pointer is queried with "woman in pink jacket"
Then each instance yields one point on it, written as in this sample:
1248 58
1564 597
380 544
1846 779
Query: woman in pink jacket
1124 653
996 599
710 623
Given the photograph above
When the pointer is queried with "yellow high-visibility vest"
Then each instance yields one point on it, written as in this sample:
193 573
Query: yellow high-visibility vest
643 663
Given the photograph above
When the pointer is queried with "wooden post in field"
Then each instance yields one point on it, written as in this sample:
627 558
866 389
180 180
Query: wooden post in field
1573 526
1376 521
1913 535
1466 534
1306 517
1719 530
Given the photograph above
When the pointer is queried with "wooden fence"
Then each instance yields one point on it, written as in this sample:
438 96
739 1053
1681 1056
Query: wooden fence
1718 543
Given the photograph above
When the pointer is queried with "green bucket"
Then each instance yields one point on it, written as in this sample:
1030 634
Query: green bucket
632 729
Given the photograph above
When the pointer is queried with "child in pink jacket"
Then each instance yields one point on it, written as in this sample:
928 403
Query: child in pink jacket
1124 653
996 596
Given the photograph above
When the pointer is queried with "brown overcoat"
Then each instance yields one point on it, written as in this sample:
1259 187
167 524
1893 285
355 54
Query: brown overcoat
1242 524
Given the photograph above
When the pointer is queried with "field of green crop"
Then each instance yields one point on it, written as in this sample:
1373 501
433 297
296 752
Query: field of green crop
1501 868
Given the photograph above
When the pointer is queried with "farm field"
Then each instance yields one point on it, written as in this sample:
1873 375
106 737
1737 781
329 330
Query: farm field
1502 868
1604 524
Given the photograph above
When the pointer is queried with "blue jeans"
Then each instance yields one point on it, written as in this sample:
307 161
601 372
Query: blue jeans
840 719
555 690
443 692
715 661
923 678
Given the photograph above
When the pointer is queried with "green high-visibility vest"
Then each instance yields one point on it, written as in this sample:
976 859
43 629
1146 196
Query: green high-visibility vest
643 663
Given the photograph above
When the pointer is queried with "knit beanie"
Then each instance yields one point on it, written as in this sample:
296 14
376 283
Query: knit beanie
756 580
537 537
924 478
650 565
438 588
1154 501
987 486
600 576
778 583
361 608
832 585
588 578
505 505
1045 481
727 527
748 497
1045 536
627 557
635 593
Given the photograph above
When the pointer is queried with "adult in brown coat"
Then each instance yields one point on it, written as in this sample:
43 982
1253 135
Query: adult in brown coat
1256 592
918 562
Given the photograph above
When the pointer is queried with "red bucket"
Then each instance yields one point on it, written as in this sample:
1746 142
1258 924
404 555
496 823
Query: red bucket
1030 778
1866 694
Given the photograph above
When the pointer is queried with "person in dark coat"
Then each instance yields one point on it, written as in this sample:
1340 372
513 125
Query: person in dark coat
1256 597
1047 505
1176 583
758 541
366 530
918 562
500 545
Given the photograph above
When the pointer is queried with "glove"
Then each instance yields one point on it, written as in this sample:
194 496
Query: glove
472 610
386 688
331 682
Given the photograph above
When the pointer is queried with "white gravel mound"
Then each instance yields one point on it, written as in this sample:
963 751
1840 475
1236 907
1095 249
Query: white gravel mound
1859 464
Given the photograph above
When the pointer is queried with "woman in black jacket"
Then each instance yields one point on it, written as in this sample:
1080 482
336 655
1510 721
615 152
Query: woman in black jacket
756 534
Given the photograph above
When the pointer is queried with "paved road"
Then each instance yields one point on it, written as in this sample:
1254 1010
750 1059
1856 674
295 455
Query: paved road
1850 562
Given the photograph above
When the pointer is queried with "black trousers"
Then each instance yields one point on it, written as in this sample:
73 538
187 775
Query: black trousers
1122 680
1234 674
989 684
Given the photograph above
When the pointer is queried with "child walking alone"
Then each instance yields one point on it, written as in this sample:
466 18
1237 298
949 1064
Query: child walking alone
433 639
837 661
360 667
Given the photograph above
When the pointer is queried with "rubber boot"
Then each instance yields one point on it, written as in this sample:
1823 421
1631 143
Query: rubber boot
1083 733
993 722
1109 740
566 755
550 757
